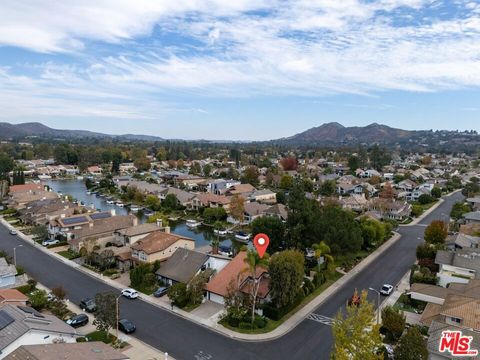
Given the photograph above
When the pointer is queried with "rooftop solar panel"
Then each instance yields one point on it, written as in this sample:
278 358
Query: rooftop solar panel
101 215
5 319
75 220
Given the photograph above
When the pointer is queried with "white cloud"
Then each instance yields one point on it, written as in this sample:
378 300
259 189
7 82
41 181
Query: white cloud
236 48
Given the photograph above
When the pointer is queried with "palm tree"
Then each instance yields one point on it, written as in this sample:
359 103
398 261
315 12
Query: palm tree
254 261
323 250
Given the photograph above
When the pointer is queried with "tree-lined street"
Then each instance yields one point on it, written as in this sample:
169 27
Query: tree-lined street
186 340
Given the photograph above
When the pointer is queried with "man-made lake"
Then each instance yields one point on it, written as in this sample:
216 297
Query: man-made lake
77 189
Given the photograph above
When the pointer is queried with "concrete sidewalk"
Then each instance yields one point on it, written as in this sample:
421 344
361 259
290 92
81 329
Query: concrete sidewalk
137 350
282 329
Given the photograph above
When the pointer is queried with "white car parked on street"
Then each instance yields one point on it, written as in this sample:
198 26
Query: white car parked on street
386 289
130 293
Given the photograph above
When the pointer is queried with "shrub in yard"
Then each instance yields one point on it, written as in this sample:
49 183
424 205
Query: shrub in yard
319 279
178 294
38 299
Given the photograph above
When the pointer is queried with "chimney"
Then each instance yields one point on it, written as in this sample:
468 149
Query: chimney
159 223
62 216
166 229
112 211
135 221
90 224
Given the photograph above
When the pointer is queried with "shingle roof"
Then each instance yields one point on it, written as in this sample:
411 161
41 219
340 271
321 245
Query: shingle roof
157 241
255 208
182 265
138 230
72 351
105 226
7 269
473 216
25 321
428 289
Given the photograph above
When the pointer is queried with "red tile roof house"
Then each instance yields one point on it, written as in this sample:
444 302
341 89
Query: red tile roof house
236 273
12 296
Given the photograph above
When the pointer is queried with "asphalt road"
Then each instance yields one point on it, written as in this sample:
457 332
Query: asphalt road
186 340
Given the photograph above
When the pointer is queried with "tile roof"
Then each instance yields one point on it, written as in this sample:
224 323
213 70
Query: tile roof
235 270
465 308
9 295
157 241
24 188
430 313
182 265
94 350
430 290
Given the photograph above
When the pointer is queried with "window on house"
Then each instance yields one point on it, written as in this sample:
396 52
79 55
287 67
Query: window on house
456 320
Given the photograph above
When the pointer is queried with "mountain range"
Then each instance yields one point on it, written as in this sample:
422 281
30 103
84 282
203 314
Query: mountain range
31 129
328 134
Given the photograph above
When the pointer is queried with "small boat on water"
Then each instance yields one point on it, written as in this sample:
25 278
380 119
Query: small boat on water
242 236
135 208
119 204
88 192
220 232
44 177
110 201
193 223
148 213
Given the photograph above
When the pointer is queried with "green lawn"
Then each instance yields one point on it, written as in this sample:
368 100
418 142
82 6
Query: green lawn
271 324
68 254
100 336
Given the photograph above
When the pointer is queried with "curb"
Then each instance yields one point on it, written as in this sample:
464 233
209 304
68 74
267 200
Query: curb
292 322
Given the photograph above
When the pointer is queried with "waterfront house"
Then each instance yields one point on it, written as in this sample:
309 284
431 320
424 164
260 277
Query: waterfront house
160 246
182 266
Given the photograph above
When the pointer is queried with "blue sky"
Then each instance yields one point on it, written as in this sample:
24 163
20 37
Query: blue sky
243 69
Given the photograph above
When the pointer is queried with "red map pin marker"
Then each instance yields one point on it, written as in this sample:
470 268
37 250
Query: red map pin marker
261 242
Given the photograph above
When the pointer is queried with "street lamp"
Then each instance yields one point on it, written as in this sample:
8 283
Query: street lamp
118 312
378 303
15 254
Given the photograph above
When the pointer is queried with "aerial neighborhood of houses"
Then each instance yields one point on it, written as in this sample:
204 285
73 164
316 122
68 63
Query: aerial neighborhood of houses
181 236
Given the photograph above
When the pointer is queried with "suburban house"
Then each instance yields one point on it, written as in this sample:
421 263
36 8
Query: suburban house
94 350
241 190
347 188
472 217
23 325
263 196
390 209
219 186
254 210
184 198
435 332
182 266
19 200
100 231
474 202
132 234
160 246
455 308
63 226
407 185
457 267
94 170
210 200
354 202
463 241
7 274
278 210
235 275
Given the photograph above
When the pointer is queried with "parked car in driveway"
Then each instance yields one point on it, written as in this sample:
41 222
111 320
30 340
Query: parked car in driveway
88 305
126 326
130 293
50 242
386 289
78 320
160 291
13 232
